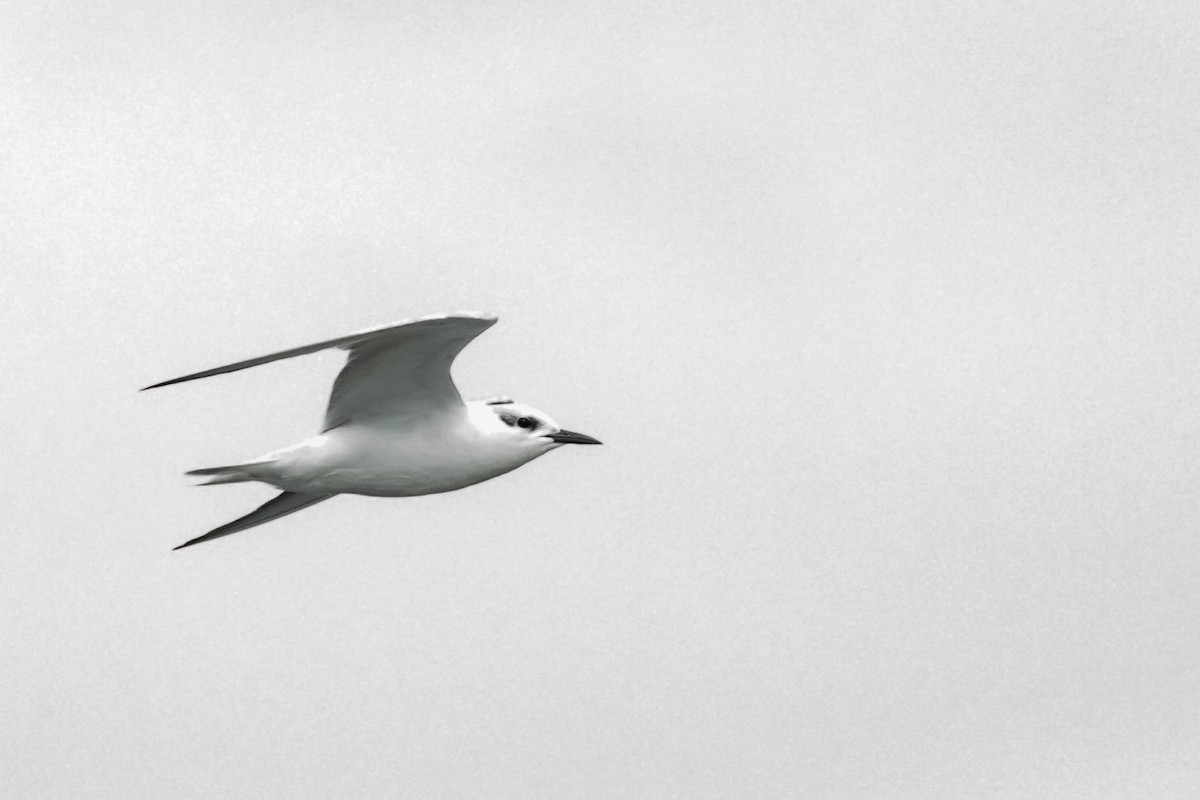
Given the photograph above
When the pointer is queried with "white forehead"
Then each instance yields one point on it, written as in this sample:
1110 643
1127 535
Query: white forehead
522 410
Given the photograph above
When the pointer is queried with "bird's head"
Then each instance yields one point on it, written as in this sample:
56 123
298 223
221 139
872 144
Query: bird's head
526 428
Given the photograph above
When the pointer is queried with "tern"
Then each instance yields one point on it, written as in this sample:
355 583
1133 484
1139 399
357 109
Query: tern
395 425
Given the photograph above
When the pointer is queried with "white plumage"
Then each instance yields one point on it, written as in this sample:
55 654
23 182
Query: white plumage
395 425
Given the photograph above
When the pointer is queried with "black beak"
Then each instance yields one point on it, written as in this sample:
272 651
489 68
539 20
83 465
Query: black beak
570 437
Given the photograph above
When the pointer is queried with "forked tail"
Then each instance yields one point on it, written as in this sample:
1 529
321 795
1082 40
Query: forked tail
234 473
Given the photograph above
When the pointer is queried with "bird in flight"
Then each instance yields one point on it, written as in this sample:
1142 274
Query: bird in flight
395 426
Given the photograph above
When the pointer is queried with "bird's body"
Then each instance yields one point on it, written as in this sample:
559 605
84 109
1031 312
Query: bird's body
400 460
395 426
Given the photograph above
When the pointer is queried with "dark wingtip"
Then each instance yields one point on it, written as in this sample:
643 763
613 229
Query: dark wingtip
185 544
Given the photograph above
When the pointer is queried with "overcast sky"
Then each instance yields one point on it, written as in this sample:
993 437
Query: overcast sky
888 318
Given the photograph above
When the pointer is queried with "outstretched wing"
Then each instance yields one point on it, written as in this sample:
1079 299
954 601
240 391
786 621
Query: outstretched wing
397 370
280 506
403 371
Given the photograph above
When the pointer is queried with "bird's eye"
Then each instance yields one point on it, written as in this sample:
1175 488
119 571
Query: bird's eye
525 422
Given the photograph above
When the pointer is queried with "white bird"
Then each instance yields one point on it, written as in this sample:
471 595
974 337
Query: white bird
395 425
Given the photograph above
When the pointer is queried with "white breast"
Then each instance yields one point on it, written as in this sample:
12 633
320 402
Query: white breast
389 462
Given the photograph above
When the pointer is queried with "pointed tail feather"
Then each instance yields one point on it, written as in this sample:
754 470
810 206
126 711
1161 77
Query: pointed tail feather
213 470
280 506
234 473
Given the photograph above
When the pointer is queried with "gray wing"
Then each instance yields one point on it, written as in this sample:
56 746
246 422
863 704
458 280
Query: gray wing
279 506
403 371
397 370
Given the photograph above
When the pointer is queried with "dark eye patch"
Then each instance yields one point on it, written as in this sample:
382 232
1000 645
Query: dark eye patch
526 422
508 419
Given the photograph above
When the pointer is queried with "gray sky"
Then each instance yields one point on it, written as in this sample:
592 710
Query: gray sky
888 318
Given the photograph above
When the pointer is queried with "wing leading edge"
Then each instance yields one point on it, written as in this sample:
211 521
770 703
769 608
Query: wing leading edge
463 320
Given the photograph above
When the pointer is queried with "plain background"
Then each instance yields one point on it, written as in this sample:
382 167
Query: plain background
887 315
